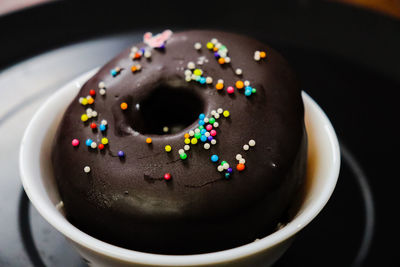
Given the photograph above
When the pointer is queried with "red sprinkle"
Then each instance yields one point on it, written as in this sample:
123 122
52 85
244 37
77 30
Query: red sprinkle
93 125
92 92
101 146
167 176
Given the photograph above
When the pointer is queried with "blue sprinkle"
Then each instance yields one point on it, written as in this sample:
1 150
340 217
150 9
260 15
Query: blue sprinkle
202 80
202 116
248 88
113 72
247 92
214 158
142 50
102 127
227 175
201 122
203 138
121 154
89 142
203 131
210 138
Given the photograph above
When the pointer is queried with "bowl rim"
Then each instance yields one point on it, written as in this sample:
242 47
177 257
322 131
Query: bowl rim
41 203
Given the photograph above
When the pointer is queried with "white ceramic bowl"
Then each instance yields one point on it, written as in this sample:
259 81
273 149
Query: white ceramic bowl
40 186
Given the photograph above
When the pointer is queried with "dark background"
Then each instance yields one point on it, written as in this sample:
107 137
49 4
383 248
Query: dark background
347 59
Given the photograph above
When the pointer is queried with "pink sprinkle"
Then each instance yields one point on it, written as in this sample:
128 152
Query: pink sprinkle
230 89
208 127
213 132
75 142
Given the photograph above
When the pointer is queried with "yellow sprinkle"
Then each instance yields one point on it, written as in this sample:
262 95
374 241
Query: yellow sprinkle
84 101
84 117
226 113
187 141
197 72
193 141
104 141
210 45
168 148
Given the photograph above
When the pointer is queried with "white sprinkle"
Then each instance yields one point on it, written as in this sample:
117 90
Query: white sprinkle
191 133
181 151
191 65
242 160
89 110
197 46
134 49
193 76
246 83
220 168
215 124
220 110
257 56
213 112
225 166
220 81
104 122
186 147
188 78
138 67
188 72
222 53
102 85
238 156
213 142
197 130
209 80
218 45
94 114
88 97
132 56
80 100
206 146
86 169
246 147
89 115
93 145
214 40
102 91
165 129
252 142
238 71
207 134
205 120
147 54
216 115
227 59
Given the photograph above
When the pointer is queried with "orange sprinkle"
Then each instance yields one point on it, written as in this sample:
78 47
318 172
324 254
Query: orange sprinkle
263 54
124 106
90 100
221 60
215 49
186 135
219 86
148 140
133 68
240 167
239 84
137 55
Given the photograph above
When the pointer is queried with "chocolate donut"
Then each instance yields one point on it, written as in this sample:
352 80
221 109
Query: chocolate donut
189 142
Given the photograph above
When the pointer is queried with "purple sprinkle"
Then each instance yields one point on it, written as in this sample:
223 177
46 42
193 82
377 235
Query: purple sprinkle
161 46
121 154
229 170
210 138
217 55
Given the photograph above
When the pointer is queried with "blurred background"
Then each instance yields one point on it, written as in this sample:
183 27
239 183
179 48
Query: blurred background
346 54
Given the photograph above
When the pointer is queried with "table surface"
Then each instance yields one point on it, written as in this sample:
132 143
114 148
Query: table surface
347 59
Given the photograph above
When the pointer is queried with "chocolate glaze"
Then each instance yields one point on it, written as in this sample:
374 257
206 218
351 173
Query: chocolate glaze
127 202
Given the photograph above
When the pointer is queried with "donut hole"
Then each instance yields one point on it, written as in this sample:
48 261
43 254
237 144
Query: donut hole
168 110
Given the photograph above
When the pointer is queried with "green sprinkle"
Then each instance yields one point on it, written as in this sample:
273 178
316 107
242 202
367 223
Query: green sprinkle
223 162
211 120
183 156
253 90
197 135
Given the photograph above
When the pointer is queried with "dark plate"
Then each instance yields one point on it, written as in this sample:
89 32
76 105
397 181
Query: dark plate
347 60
